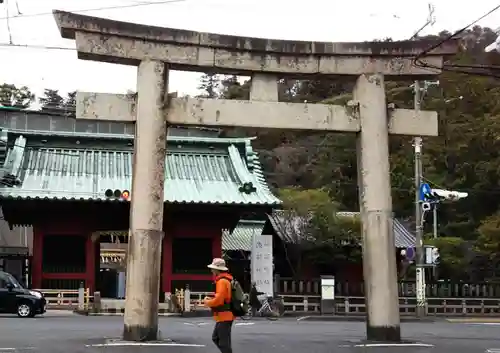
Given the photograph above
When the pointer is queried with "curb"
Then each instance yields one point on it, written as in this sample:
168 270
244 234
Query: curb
339 318
117 313
204 313
121 314
472 320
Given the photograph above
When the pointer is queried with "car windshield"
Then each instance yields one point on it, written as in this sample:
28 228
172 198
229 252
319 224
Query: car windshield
14 281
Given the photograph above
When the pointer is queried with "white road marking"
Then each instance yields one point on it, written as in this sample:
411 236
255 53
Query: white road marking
196 323
493 350
302 318
388 345
144 344
484 323
244 323
10 349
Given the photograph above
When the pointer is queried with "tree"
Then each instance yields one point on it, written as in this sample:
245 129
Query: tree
324 237
69 104
487 245
70 100
17 97
465 156
51 101
454 259
209 85
231 88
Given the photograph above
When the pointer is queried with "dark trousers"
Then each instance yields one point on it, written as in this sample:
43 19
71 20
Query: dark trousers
222 336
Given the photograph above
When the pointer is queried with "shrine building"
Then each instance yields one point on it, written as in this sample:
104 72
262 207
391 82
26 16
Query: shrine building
70 180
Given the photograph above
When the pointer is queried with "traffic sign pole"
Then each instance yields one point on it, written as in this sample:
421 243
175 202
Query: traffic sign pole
419 260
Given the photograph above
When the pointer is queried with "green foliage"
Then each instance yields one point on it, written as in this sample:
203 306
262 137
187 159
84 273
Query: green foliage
327 239
209 86
70 100
488 241
464 157
51 101
304 202
453 253
16 97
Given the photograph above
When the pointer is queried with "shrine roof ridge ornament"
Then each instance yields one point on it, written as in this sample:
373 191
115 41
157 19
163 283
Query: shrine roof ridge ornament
121 42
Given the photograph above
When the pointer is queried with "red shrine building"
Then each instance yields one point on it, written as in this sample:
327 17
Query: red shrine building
70 180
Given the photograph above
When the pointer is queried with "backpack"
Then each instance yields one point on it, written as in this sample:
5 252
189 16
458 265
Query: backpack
239 300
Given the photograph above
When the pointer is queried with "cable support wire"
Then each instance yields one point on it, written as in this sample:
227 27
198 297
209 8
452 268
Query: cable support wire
457 68
103 8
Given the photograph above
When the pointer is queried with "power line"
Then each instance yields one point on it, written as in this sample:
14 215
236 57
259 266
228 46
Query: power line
34 46
139 4
417 61
7 14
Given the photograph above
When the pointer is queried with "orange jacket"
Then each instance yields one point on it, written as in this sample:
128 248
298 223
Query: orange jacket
222 296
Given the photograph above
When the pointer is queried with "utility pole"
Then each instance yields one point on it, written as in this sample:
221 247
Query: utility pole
417 142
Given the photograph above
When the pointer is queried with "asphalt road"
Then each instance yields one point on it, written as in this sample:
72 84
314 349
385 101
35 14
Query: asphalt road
71 333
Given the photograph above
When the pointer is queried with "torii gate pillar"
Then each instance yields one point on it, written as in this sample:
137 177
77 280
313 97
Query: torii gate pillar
266 60
379 258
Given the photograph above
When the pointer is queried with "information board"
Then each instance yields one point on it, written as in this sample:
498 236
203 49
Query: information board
262 263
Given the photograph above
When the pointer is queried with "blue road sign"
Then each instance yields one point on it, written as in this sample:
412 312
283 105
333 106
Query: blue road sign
410 253
424 189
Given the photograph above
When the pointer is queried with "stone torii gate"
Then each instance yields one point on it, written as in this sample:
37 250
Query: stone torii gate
156 50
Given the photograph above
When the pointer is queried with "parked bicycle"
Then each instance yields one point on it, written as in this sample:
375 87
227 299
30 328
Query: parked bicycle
264 306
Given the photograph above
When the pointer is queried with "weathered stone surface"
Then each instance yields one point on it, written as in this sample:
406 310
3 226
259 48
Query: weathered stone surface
253 114
70 23
128 43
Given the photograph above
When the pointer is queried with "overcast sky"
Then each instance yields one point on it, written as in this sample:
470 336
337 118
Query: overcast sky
320 20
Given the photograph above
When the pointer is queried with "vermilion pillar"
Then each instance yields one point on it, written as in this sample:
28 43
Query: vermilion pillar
90 263
217 243
167 263
36 260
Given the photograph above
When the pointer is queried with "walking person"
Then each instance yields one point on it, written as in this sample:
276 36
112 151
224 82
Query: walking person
221 305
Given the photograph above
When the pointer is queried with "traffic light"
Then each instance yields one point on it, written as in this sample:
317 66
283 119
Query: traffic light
117 194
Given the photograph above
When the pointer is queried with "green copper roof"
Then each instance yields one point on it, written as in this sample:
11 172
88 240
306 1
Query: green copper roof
242 236
198 170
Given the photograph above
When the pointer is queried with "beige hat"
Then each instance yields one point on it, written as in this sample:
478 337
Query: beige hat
218 264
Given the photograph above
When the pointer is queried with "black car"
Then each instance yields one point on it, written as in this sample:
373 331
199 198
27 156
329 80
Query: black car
15 299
